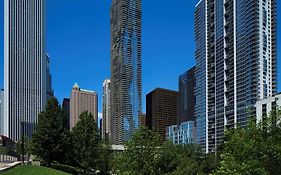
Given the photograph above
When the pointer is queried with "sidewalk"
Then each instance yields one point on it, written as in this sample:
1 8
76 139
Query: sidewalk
4 166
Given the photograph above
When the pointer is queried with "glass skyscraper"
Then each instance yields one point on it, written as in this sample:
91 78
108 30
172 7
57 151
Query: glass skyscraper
200 75
1 111
236 64
126 88
186 96
24 65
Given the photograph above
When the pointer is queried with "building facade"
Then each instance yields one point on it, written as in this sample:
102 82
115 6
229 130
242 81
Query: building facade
181 134
50 91
235 64
126 83
66 109
82 100
161 110
1 111
265 107
24 66
106 118
142 120
186 96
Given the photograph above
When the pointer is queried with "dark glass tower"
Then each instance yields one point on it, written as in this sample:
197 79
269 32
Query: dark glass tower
236 63
186 96
161 110
126 89
66 109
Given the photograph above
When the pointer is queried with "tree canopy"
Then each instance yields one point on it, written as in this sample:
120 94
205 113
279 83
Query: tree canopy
51 134
89 153
255 149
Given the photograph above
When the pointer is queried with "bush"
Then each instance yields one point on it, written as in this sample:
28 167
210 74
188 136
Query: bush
65 168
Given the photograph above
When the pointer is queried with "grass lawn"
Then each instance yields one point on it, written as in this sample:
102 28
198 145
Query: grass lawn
32 170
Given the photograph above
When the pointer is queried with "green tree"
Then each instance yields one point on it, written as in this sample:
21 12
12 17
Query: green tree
106 156
170 158
27 147
87 146
51 135
141 155
209 163
186 159
189 159
255 149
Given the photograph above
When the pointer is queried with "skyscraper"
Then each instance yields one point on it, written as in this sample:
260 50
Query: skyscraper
66 109
142 120
1 111
236 64
82 100
106 117
186 96
50 92
24 65
161 110
126 88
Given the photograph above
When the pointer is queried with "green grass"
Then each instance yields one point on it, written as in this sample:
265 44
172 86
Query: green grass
32 170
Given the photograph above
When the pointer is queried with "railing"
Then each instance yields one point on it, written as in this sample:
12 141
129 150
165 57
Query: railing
7 159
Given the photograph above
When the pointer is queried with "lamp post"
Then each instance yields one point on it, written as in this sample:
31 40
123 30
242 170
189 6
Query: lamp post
22 141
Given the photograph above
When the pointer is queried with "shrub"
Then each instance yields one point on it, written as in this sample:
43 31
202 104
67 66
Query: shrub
65 168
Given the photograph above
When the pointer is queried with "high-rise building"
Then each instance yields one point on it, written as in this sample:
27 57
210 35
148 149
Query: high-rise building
50 92
161 110
186 96
181 134
24 66
101 127
106 118
66 109
236 64
126 87
82 100
1 111
266 107
142 120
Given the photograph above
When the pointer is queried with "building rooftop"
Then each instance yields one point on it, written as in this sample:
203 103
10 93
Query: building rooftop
76 86
198 3
85 90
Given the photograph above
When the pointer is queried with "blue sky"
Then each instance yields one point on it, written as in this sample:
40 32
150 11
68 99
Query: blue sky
78 42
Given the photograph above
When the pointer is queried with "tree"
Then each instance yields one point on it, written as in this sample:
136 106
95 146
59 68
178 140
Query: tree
27 147
106 156
255 149
189 158
144 154
87 147
170 158
141 155
51 134
209 163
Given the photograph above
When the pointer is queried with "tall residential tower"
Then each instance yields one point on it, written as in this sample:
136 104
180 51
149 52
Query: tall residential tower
126 88
106 117
1 111
236 64
24 65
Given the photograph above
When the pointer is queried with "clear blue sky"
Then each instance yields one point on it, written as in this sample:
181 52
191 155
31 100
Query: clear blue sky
78 42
